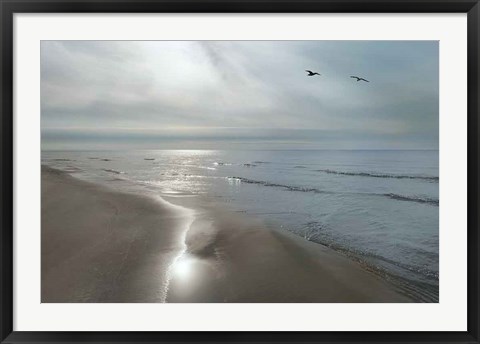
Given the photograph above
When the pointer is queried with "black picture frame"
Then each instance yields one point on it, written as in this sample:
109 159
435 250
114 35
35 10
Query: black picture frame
9 8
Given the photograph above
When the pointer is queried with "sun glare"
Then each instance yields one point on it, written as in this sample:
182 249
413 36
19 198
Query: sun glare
183 268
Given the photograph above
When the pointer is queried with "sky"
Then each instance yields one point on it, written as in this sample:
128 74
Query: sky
239 95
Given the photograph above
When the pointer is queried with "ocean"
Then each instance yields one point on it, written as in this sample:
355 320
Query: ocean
378 207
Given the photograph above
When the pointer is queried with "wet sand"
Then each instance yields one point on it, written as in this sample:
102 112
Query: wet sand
100 245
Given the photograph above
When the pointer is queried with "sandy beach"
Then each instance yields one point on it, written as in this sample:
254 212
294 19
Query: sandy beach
100 245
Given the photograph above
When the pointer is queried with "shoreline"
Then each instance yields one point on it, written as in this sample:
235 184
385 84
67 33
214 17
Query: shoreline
101 245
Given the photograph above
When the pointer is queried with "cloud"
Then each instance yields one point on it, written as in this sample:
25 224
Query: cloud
247 85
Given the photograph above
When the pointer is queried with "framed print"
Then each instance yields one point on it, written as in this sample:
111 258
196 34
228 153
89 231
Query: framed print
239 171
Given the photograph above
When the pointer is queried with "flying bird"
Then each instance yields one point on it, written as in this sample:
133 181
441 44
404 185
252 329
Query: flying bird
359 79
310 73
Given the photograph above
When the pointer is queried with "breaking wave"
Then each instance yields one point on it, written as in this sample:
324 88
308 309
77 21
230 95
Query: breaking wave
113 171
380 175
283 186
417 199
412 199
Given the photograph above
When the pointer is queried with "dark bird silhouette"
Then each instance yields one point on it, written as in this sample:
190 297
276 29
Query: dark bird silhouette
359 79
310 73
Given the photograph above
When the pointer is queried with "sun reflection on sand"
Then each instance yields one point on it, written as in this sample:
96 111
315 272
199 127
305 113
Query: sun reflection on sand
191 280
189 218
183 268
